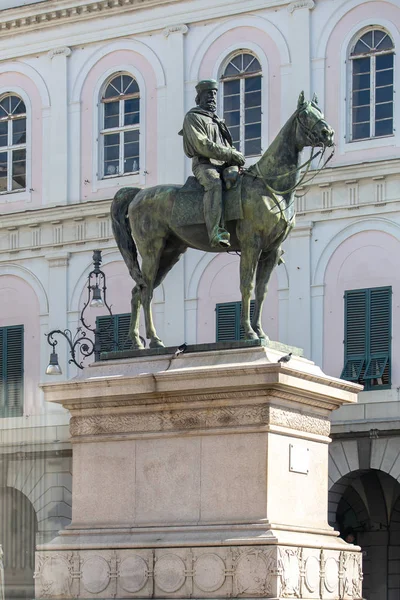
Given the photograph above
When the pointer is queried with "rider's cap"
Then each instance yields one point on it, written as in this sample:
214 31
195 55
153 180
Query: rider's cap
206 84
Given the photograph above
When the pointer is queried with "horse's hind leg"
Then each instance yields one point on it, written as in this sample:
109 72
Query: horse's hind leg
266 265
151 256
134 325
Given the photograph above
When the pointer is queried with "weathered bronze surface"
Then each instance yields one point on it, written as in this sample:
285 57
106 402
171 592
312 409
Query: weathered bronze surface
268 217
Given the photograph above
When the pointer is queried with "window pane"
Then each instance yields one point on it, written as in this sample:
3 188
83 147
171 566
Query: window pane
131 112
111 115
111 167
361 131
361 82
252 147
367 39
384 77
384 94
250 63
232 87
361 114
131 150
252 84
129 85
3 171
131 165
17 106
19 131
237 145
361 65
132 136
232 103
19 169
232 118
114 88
235 133
111 153
252 131
384 111
361 98
384 62
5 107
384 127
252 115
111 140
3 133
234 67
385 44
252 99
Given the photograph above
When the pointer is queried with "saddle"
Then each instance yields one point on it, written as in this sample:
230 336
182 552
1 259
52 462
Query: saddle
188 204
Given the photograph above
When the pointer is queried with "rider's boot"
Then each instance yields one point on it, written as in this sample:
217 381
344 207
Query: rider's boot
213 213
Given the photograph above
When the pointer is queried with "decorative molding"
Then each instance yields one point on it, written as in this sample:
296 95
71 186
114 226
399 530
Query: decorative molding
47 18
232 571
58 261
61 51
301 4
217 417
183 29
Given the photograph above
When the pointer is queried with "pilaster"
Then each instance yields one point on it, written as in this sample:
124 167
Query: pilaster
174 105
300 45
299 305
58 301
58 192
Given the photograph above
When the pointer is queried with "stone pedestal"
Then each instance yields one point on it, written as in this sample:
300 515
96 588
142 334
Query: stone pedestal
204 476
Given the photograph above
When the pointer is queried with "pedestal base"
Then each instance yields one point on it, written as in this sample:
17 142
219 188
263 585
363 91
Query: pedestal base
203 476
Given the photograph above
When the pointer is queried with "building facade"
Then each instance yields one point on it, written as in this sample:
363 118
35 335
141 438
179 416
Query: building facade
92 96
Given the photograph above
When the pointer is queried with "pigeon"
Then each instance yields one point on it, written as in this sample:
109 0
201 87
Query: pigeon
286 358
180 350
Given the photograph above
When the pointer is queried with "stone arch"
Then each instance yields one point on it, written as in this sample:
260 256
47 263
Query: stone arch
125 44
30 278
376 223
257 22
33 75
339 13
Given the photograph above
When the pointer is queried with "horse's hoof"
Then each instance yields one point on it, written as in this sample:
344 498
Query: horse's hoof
251 335
137 346
261 335
156 343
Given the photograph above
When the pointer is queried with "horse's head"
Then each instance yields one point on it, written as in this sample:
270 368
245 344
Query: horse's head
311 127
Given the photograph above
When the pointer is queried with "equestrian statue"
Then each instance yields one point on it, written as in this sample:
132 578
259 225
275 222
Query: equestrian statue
223 208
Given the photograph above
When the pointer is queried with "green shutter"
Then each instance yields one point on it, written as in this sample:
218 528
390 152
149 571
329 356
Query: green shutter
113 332
228 327
11 371
367 343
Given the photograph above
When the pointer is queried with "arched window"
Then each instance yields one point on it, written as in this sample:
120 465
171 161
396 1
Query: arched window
120 126
371 62
242 102
12 144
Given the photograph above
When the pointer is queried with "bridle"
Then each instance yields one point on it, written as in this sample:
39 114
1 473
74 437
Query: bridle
313 141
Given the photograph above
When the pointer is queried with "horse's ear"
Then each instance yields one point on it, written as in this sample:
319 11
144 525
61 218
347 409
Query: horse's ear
315 99
301 100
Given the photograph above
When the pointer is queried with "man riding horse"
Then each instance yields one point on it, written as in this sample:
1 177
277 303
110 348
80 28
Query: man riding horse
207 141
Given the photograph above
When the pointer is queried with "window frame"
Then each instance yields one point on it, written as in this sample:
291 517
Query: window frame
11 148
379 140
242 123
120 130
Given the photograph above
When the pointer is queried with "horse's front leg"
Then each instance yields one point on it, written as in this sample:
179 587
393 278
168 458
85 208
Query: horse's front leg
248 262
151 256
266 265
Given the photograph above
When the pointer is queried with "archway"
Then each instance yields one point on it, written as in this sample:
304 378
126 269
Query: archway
367 506
18 527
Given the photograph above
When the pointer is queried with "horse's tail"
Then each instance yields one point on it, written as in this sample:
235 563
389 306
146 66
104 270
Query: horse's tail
122 231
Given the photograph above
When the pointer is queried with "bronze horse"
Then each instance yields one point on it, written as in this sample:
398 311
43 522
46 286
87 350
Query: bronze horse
141 221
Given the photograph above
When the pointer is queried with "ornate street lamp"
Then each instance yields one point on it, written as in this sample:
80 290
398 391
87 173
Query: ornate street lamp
81 346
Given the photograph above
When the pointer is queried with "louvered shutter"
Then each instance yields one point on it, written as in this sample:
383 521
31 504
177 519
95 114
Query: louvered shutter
113 332
355 337
12 371
123 339
228 321
379 335
367 341
105 333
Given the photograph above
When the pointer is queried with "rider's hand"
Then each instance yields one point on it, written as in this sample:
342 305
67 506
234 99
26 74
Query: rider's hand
237 158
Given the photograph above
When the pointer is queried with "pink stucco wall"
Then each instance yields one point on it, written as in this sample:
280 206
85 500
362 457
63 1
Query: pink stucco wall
22 308
219 283
365 260
246 35
334 88
90 132
11 81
